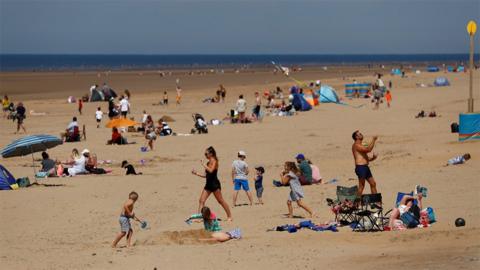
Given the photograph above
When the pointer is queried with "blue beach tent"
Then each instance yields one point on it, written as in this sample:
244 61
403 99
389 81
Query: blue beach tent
300 104
433 69
441 81
6 179
327 94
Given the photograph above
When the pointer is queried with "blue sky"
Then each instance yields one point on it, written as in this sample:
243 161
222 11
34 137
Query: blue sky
236 27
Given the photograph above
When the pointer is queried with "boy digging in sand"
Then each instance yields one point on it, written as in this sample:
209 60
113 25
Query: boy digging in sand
125 216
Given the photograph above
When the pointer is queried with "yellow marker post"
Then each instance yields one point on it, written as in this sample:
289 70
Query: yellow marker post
471 29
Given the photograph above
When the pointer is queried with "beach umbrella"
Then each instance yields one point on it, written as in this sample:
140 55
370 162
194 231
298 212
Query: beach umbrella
121 122
29 145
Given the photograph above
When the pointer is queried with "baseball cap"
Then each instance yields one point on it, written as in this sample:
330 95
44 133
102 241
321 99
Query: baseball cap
85 151
242 153
300 156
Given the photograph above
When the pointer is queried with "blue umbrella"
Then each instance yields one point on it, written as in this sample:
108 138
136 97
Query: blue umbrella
29 145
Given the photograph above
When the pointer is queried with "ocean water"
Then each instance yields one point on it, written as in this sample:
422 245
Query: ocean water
58 62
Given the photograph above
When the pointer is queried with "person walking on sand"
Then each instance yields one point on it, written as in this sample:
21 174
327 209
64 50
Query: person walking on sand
290 176
212 184
80 106
388 98
124 106
21 115
98 116
124 220
223 92
240 177
361 158
258 104
179 94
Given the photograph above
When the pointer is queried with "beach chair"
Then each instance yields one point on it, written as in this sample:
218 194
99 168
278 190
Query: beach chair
370 215
345 206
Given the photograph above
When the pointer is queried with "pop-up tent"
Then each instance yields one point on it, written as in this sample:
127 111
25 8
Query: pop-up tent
300 104
102 94
6 179
433 69
97 95
327 94
441 81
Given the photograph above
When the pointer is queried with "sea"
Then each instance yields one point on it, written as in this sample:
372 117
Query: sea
67 62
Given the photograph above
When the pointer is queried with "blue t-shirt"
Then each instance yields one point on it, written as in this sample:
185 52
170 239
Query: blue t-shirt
259 181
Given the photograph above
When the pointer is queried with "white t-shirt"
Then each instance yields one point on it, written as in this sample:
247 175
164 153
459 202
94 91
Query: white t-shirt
144 118
380 83
124 105
72 125
78 167
240 168
99 115
241 105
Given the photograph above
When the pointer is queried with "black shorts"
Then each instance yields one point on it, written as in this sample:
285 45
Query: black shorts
99 120
363 172
124 114
165 101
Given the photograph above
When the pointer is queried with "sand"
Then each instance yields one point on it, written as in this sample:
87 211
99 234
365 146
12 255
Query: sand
71 226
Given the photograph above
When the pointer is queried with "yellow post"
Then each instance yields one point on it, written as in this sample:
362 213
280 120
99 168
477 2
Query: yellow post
471 29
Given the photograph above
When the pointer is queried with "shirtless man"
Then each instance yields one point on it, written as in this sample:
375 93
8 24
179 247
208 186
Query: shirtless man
360 155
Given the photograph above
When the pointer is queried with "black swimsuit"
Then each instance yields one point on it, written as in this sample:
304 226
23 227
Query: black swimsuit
212 184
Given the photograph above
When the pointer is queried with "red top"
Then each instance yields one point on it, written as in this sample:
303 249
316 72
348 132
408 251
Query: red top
115 136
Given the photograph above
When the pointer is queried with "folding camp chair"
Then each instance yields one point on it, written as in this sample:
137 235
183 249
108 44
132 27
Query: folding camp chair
345 205
370 216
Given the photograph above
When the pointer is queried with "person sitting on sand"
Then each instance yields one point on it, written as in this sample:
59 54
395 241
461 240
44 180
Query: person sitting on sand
290 176
163 129
211 224
48 165
117 137
77 163
305 169
458 160
129 169
91 163
405 205
72 133
125 215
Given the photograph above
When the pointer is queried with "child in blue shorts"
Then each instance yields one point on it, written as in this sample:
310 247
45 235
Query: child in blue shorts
240 177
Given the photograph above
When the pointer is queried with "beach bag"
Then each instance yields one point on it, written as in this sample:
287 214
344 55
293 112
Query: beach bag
409 220
23 182
431 215
41 174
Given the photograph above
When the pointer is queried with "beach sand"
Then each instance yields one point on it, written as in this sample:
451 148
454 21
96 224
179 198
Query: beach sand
72 226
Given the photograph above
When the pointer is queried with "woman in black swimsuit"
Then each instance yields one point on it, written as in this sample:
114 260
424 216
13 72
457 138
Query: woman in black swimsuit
212 184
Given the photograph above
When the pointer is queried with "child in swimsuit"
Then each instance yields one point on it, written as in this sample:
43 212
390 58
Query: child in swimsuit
211 224
124 220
